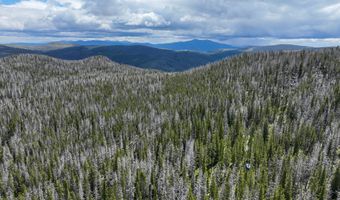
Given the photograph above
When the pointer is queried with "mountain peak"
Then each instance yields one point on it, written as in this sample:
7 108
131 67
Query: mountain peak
196 45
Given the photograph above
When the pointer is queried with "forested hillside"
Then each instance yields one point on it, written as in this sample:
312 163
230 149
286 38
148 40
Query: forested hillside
137 55
144 56
256 126
8 51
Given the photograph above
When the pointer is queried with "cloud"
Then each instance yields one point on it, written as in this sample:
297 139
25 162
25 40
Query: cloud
150 19
74 4
23 16
180 19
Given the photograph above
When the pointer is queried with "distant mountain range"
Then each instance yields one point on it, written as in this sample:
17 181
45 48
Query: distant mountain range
143 56
196 45
279 47
139 56
7 51
178 56
42 47
192 45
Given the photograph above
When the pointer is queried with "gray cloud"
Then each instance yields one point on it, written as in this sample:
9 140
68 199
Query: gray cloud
180 19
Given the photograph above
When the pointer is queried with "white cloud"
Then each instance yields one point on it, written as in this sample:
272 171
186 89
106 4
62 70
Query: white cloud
191 19
29 5
214 19
331 9
74 4
24 15
150 19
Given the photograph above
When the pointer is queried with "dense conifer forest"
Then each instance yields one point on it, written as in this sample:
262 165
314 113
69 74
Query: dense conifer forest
255 126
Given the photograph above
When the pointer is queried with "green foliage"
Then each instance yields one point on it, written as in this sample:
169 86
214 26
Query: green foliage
318 184
108 131
335 185
11 128
141 191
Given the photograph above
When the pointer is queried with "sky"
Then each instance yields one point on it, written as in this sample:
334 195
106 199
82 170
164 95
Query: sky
236 22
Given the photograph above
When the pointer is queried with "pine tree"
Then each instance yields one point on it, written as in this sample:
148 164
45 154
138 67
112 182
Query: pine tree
335 185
